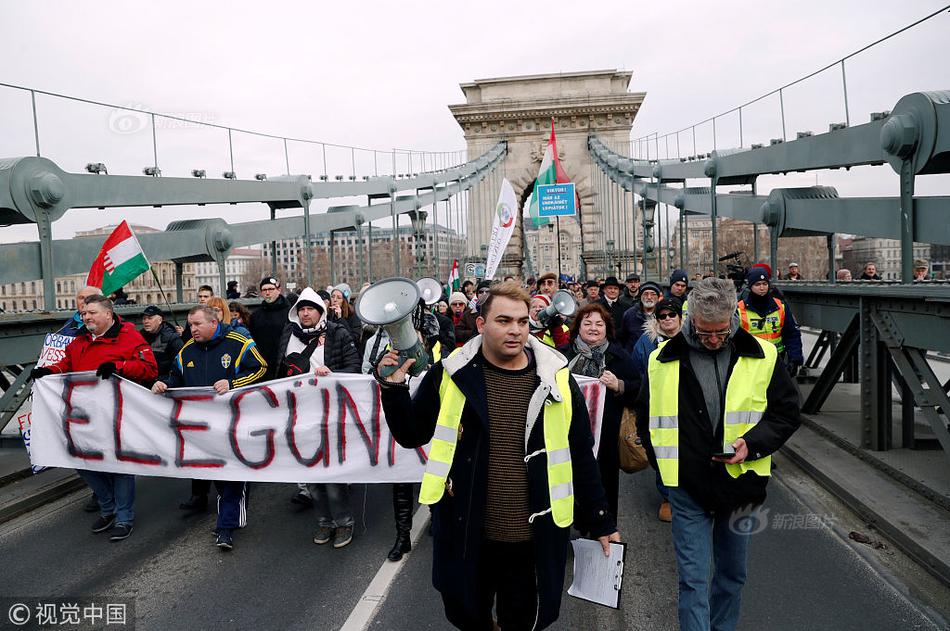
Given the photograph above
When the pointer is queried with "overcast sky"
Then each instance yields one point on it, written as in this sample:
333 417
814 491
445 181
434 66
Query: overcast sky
381 75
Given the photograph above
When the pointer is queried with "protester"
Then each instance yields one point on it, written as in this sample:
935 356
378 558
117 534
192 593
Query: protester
223 311
468 288
768 317
591 292
268 322
920 270
793 272
613 301
442 308
457 305
232 292
554 332
664 326
686 415
631 327
870 272
488 544
162 337
632 288
219 357
593 352
341 312
547 284
240 316
311 342
679 284
467 329
109 346
205 292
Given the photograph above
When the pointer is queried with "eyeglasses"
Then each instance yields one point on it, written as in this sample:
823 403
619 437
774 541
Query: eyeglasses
666 315
705 335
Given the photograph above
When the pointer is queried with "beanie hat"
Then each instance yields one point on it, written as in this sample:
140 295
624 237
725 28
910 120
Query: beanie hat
300 304
270 280
651 286
755 275
543 298
457 296
679 276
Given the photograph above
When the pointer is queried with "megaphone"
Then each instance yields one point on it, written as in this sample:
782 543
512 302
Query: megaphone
563 304
430 290
390 304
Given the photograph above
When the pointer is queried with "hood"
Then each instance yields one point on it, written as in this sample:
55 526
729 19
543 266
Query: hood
308 295
651 328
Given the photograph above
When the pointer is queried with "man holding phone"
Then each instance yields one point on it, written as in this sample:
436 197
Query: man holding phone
711 411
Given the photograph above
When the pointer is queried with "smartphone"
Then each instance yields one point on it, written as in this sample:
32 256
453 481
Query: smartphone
724 454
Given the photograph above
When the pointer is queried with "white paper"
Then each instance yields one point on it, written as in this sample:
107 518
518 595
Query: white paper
597 578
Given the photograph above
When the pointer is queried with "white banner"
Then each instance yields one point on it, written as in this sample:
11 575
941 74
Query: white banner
312 429
502 227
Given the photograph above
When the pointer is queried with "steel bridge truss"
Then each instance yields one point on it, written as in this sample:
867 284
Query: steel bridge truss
878 333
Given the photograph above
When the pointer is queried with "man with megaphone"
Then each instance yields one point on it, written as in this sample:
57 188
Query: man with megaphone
510 459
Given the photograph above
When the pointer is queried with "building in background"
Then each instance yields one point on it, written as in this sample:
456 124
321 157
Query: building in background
885 253
28 296
238 263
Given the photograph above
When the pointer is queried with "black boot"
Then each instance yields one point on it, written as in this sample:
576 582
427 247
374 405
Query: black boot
402 510
194 505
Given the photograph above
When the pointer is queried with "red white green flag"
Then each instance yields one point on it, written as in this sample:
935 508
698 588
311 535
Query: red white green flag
455 282
120 261
549 173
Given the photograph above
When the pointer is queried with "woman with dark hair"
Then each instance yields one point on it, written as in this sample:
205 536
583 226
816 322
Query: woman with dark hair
593 352
341 312
239 314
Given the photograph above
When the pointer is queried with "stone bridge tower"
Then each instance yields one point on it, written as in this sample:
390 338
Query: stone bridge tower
519 110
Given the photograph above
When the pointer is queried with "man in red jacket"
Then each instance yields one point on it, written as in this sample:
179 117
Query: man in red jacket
110 347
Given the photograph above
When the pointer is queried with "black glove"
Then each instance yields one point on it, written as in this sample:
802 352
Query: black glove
39 373
105 370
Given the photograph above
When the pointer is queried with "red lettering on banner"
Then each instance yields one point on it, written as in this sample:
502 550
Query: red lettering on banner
291 433
124 455
591 394
345 400
235 404
76 416
179 427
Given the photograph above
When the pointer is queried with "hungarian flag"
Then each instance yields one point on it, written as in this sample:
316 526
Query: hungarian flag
549 173
455 283
120 261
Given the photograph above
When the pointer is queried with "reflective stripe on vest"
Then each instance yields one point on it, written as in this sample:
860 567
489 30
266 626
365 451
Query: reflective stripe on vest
746 404
557 423
768 328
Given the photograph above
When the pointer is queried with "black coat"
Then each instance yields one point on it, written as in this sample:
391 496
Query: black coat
457 520
608 452
620 306
340 354
707 481
165 345
353 325
266 327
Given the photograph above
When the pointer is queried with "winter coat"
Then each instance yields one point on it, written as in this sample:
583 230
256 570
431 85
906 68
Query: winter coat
707 481
266 327
617 310
647 343
352 324
228 355
791 334
458 519
608 452
631 327
466 329
339 352
165 345
121 345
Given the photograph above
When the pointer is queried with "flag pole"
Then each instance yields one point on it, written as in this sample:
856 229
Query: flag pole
167 303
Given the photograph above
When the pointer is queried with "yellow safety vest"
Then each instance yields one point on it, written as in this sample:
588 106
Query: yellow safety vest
768 328
557 423
745 405
548 339
436 352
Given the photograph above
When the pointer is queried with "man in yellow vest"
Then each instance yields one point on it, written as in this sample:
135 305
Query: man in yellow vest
511 456
712 409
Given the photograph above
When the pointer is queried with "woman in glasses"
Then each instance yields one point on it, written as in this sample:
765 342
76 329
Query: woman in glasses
593 352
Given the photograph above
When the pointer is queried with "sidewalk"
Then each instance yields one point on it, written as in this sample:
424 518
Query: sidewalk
22 491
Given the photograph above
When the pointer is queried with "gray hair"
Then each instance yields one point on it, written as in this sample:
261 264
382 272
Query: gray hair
209 312
713 299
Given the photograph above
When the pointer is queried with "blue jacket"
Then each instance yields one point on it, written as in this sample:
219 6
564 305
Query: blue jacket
631 328
228 355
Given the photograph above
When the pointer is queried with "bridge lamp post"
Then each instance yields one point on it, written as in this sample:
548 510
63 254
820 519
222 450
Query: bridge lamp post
610 257
418 218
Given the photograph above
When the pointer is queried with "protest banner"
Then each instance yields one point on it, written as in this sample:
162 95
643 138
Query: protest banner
296 429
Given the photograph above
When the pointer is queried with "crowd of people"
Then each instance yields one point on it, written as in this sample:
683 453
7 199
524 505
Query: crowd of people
706 369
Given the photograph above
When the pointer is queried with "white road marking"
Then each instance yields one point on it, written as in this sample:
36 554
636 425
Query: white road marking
377 590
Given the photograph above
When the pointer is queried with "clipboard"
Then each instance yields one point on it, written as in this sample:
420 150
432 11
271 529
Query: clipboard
598 579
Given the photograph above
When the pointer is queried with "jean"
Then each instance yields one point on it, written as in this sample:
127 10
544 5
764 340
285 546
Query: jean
333 505
699 541
115 492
